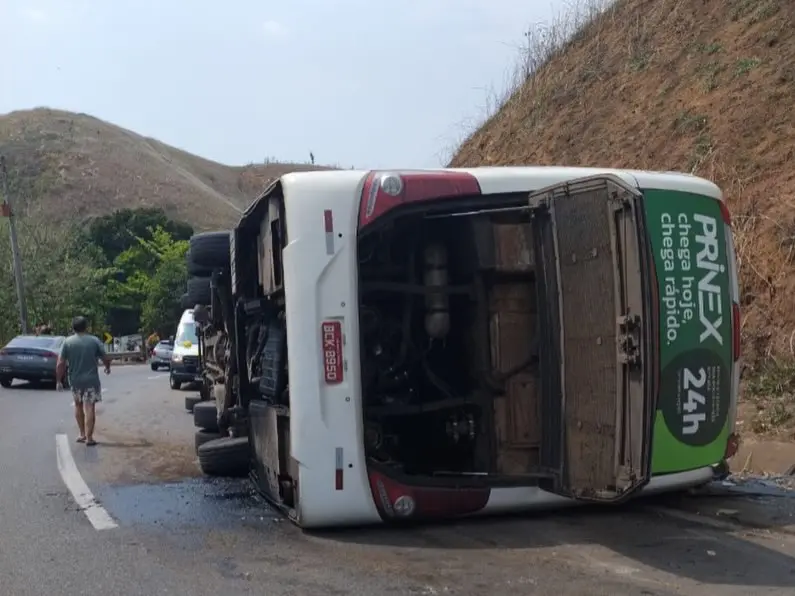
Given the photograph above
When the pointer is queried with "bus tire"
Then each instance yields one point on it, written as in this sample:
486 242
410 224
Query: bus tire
199 290
205 415
194 268
210 249
227 456
204 436
191 401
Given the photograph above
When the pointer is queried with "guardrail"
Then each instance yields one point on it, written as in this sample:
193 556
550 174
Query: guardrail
136 356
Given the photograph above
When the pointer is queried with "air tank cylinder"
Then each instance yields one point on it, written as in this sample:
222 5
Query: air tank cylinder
437 304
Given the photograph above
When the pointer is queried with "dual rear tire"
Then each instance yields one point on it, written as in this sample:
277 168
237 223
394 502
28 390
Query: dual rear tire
209 251
219 455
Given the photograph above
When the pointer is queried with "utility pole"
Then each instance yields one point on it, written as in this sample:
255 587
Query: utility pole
6 210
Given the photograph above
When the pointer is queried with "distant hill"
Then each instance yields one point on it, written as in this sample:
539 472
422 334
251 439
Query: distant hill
69 166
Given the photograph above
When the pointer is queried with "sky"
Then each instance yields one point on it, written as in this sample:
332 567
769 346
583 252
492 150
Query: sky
364 83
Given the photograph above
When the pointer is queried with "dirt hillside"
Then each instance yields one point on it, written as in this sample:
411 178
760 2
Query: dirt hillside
701 86
72 166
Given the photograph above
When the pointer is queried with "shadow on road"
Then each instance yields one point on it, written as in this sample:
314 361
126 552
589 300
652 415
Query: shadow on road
680 547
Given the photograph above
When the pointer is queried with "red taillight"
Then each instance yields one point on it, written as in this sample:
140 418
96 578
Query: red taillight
396 501
724 212
385 190
49 354
736 331
3 352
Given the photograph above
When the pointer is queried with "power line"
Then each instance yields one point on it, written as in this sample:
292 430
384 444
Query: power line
6 210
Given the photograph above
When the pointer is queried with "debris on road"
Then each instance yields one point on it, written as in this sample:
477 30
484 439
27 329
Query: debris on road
760 502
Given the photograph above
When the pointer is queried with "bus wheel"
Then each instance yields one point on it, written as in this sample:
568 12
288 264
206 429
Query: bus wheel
205 416
190 401
227 456
199 291
205 436
210 249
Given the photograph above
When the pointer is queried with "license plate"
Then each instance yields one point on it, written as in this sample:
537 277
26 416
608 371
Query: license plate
24 357
331 341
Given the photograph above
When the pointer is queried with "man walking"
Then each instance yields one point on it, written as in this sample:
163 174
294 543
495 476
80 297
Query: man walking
79 354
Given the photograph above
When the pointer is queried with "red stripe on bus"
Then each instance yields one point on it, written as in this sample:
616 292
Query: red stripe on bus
338 480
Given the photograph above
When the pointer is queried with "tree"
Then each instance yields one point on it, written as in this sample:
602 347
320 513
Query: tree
68 274
115 233
61 278
162 308
152 273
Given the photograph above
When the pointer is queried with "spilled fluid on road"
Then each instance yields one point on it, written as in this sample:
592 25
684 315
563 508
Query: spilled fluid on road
218 503
201 502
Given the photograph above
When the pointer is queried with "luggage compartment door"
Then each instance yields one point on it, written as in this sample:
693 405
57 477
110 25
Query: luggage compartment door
594 302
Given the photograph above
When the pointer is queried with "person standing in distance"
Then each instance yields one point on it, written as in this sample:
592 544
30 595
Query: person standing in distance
80 353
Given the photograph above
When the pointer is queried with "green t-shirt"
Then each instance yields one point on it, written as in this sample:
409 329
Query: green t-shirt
81 353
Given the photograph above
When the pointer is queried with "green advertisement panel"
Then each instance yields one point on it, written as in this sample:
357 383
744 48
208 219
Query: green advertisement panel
689 246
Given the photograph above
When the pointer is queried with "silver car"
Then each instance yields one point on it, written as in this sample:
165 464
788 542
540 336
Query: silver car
161 355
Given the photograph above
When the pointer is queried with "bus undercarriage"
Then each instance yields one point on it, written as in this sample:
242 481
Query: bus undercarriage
503 342
450 351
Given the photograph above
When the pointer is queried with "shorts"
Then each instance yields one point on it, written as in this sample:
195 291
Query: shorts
87 396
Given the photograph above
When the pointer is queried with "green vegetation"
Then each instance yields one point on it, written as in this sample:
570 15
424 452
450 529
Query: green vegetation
61 278
772 390
149 278
746 65
125 271
121 230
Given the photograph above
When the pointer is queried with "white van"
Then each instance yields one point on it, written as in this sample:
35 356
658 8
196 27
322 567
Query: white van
407 345
185 355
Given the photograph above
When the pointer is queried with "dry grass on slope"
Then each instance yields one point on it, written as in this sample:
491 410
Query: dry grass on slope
702 86
69 166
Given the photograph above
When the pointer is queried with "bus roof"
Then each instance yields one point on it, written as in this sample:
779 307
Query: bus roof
492 180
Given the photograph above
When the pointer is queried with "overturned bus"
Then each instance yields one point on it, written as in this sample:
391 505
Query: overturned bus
407 345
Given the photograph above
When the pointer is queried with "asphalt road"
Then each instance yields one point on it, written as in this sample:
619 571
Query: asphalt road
177 533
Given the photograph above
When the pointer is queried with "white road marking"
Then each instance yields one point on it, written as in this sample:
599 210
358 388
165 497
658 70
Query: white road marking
161 376
96 513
